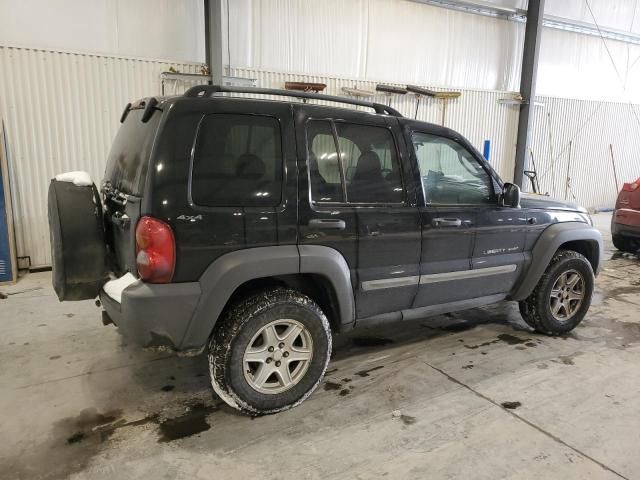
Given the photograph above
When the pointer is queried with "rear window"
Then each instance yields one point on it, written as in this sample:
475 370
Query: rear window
237 161
128 159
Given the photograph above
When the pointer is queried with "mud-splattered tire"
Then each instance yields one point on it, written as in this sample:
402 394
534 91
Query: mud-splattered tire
625 244
257 333
536 309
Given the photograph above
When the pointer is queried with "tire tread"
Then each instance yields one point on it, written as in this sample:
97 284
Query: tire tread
229 326
530 308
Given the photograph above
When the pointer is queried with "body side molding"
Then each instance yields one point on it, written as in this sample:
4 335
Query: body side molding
437 277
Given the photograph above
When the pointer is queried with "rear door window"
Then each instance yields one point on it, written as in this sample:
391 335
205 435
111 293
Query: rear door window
369 157
325 171
237 161
354 164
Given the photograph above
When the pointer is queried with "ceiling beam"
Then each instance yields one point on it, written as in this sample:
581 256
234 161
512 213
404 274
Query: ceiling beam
478 7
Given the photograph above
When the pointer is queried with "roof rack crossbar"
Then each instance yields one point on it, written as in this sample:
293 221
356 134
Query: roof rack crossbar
209 90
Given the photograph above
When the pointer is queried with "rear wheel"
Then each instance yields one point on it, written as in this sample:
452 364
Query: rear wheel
562 297
269 351
625 244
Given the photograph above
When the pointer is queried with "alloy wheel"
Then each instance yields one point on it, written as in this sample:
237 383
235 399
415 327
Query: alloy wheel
567 295
278 356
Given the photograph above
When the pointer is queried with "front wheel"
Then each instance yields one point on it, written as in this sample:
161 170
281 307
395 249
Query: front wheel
269 352
562 297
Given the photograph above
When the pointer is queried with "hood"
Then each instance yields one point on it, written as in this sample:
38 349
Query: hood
542 202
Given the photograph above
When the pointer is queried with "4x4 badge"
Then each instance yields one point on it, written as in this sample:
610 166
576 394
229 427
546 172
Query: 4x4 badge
190 218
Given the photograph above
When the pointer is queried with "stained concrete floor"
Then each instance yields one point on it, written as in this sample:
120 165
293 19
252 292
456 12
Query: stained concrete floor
469 395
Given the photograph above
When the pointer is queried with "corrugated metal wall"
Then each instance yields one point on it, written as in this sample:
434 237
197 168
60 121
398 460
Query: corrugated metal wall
61 112
574 136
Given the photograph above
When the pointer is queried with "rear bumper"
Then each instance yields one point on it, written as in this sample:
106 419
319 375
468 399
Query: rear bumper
626 223
154 315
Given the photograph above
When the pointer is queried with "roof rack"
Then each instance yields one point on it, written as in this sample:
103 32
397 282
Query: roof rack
209 90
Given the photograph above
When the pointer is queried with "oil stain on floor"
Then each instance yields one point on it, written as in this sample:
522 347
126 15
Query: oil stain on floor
192 422
408 419
74 441
332 386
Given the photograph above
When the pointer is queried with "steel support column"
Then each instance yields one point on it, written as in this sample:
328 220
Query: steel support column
213 39
532 40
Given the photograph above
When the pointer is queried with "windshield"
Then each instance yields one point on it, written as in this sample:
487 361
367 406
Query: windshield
128 159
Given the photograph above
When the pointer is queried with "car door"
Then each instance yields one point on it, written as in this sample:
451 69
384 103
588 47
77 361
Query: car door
499 249
457 191
354 199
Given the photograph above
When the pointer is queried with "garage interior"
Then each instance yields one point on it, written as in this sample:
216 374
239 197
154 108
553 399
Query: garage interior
548 91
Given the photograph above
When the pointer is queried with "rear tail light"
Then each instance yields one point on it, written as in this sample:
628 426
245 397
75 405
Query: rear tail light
631 187
155 250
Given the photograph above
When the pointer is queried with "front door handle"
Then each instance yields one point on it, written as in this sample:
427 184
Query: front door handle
327 224
446 222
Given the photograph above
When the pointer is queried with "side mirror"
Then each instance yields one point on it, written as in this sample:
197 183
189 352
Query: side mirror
510 196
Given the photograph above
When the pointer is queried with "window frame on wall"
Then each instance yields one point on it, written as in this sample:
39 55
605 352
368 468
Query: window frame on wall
277 205
343 174
491 176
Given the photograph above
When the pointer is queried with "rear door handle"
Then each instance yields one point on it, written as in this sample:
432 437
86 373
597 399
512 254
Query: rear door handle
327 224
446 222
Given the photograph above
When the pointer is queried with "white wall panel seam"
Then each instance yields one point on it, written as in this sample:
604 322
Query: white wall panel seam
99 54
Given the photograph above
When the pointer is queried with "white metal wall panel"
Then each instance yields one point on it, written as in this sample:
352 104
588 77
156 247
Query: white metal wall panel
166 29
590 127
61 113
375 39
62 110
364 39
425 44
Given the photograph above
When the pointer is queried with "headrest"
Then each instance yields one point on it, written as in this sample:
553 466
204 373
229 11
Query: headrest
250 166
368 165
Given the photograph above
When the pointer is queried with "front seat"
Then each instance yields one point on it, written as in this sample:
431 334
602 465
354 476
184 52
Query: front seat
368 184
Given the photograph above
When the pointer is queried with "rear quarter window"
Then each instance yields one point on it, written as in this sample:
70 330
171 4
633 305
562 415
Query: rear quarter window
128 159
237 161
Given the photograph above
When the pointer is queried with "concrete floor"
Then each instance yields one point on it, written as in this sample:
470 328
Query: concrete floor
470 395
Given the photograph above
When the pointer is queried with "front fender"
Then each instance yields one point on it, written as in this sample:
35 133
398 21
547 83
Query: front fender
551 239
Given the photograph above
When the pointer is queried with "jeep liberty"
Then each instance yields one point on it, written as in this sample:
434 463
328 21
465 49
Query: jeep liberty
258 228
